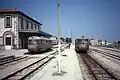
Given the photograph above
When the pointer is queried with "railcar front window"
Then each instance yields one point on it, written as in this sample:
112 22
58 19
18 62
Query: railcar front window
33 41
82 40
30 41
36 41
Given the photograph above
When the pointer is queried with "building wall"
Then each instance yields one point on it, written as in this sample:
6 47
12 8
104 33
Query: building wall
23 38
1 40
94 42
37 29
2 23
13 29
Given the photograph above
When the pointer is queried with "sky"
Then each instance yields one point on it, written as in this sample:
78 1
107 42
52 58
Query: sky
93 18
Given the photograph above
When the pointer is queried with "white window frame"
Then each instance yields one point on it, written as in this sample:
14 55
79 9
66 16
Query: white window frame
10 22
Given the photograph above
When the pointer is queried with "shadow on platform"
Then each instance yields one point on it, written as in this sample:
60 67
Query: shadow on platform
62 73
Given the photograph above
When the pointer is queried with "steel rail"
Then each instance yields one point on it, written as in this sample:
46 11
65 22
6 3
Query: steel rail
107 54
89 68
100 66
12 74
12 60
36 68
111 50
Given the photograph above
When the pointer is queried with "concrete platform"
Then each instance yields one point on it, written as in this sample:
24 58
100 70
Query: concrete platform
13 52
69 66
19 52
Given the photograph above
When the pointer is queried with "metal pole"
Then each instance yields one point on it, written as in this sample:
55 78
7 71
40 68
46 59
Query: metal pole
71 35
59 54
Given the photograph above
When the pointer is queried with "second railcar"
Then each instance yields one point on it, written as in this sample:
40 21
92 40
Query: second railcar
82 45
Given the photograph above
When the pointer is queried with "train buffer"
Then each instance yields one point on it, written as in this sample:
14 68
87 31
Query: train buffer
69 66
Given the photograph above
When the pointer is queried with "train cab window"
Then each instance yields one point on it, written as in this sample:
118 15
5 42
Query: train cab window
36 41
33 41
30 41
41 41
46 41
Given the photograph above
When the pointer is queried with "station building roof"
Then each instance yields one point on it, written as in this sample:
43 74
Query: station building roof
7 11
46 34
2 11
40 33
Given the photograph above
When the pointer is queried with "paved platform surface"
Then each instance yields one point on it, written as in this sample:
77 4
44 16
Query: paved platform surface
69 65
19 52
13 52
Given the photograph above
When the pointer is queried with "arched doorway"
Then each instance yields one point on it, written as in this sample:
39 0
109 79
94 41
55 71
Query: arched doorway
8 39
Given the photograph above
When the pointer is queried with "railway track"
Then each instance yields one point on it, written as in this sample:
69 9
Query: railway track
96 71
10 59
107 54
26 72
86 74
110 49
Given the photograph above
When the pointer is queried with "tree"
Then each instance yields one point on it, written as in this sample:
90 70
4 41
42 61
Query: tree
62 39
68 40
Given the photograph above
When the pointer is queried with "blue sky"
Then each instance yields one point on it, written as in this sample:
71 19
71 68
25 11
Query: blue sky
95 18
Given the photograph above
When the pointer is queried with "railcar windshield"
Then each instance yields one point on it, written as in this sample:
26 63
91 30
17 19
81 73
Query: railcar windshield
82 40
33 41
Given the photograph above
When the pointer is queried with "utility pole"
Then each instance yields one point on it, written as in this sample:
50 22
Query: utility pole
71 35
59 44
59 71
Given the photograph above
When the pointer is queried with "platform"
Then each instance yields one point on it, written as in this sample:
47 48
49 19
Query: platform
13 52
69 65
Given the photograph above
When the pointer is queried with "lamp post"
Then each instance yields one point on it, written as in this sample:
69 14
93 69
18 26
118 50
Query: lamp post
59 71
59 53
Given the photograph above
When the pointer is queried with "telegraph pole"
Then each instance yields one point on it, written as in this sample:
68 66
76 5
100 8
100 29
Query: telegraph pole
71 35
59 71
59 44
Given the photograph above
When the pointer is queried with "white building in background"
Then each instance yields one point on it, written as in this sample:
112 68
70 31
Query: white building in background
97 42
16 27
94 42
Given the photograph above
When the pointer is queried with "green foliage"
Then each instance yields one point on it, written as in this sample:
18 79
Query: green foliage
62 39
68 40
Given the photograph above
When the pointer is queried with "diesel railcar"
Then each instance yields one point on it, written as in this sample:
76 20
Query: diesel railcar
37 44
82 45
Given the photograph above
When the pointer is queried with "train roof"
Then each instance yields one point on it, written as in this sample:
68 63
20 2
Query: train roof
37 37
81 38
